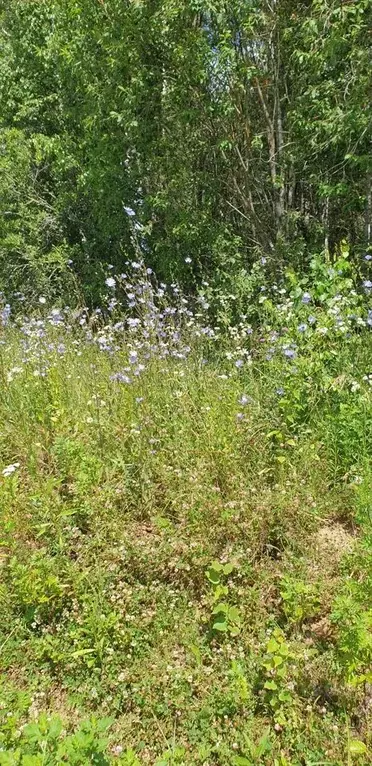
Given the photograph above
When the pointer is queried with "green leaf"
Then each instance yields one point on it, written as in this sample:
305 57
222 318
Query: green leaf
277 660
357 747
234 615
240 760
272 646
283 650
220 626
82 652
228 568
213 576
284 696
270 685
221 608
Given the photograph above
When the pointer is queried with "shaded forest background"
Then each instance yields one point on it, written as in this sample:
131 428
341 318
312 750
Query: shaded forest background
203 136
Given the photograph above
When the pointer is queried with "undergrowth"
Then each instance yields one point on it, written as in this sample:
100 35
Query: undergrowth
185 561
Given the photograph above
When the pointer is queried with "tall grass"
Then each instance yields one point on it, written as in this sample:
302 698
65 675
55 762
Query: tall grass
137 458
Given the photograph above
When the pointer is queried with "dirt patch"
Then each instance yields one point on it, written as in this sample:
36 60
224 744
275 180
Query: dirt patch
329 544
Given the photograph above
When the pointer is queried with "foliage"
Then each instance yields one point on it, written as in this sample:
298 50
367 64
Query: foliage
225 617
205 135
185 525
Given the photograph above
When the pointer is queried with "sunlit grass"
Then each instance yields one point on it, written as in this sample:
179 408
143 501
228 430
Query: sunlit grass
116 498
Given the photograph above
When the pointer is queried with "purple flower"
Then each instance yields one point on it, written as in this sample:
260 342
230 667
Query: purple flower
367 284
120 377
311 319
263 260
302 327
280 391
368 257
244 399
133 357
306 298
239 363
289 353
55 317
129 211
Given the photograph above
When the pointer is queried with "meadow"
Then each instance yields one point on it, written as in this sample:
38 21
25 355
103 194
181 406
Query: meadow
185 526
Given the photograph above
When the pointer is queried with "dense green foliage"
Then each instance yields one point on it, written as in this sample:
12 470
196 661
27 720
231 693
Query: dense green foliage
234 130
185 382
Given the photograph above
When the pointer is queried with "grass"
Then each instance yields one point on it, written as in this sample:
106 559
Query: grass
191 566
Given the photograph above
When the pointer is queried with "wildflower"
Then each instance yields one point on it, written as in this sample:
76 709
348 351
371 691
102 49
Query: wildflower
129 211
55 317
279 391
311 319
120 377
368 257
302 327
244 399
306 298
135 265
133 356
188 260
240 416
367 284
10 469
357 480
5 314
110 282
239 363
263 260
289 353
42 300
12 372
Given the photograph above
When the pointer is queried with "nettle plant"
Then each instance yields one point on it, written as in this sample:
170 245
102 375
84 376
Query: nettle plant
225 616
